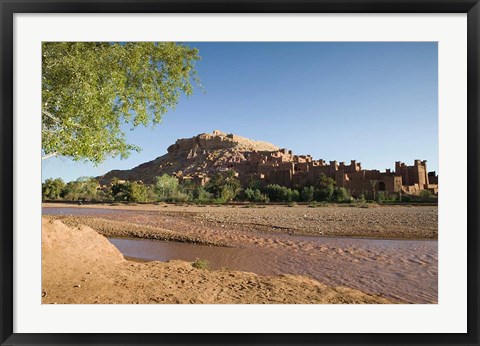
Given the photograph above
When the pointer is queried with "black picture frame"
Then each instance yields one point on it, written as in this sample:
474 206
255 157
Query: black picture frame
9 8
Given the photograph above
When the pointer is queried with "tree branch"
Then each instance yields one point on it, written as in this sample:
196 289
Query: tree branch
49 155
48 114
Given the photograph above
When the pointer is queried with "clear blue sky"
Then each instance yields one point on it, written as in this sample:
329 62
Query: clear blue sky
376 103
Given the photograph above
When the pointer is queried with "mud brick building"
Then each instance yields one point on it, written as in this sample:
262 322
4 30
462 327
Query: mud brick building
198 158
283 168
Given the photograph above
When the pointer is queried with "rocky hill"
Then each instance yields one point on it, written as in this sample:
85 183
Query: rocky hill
203 154
197 159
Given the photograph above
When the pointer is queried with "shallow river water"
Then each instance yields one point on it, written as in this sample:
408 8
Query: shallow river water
406 270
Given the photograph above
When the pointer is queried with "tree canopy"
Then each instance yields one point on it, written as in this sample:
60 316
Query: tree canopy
91 89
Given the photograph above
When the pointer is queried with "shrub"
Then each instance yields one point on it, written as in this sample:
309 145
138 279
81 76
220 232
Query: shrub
295 195
316 204
426 196
201 195
392 197
381 197
255 195
254 183
249 194
341 195
362 204
253 205
227 193
201 264
104 195
274 192
362 198
179 197
307 193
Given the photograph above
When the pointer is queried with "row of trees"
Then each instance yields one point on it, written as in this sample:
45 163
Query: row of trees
324 190
222 188
82 188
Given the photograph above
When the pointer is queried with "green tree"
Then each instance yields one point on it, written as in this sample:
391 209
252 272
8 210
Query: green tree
52 188
201 195
341 194
83 188
91 89
137 192
118 189
166 186
249 194
294 195
225 186
324 188
276 193
227 194
254 183
129 191
188 187
307 193
255 195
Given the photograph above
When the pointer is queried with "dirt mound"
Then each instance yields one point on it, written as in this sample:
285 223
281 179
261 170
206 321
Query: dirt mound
80 266
59 239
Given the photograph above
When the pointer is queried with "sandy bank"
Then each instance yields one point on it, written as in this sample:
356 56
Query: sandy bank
388 222
81 266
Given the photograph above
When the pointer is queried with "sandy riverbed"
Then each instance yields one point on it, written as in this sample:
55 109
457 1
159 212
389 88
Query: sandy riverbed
388 222
401 270
81 266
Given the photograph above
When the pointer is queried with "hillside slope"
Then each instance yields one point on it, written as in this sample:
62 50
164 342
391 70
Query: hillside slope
202 154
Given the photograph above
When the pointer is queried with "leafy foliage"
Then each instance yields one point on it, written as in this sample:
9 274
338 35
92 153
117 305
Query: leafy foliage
201 264
166 186
91 89
224 186
277 193
308 193
381 197
129 191
255 195
84 188
324 188
427 196
52 188
201 195
341 195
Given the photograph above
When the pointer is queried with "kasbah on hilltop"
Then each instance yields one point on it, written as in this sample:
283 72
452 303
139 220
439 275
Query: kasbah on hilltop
199 157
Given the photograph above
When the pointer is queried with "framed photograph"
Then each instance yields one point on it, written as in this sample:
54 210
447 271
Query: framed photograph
239 172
